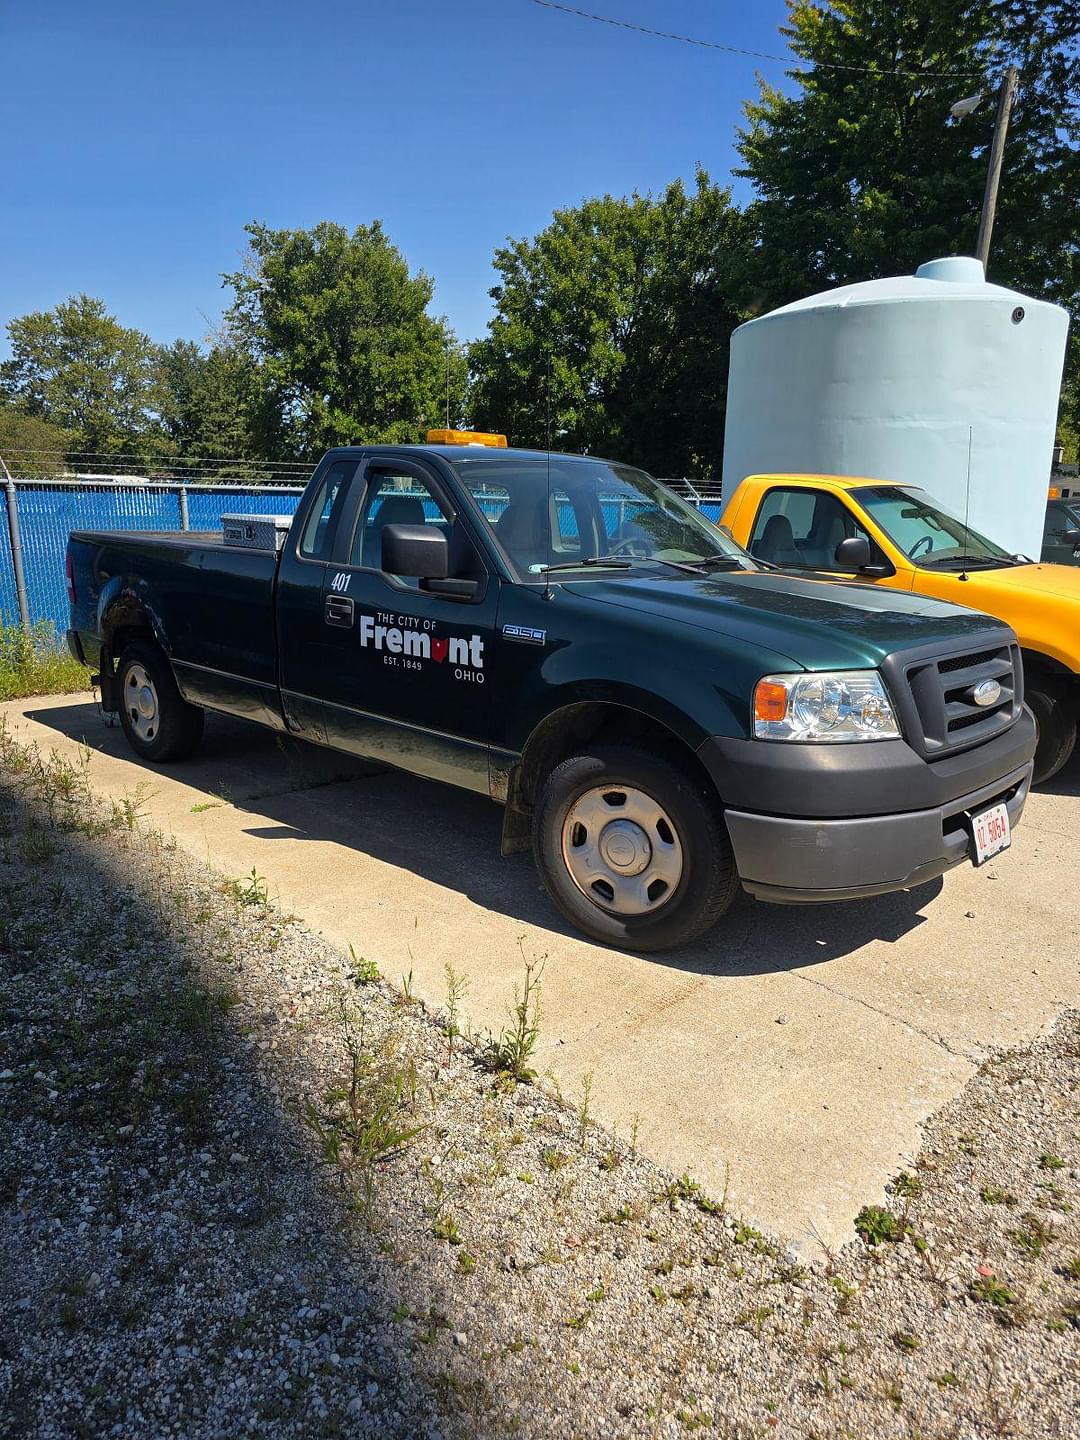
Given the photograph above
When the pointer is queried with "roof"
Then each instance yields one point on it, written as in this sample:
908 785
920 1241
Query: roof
840 482
472 452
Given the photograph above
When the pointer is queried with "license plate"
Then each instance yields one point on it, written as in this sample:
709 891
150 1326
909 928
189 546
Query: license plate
991 831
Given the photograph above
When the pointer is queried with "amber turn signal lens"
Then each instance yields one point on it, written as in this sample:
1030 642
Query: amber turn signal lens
770 701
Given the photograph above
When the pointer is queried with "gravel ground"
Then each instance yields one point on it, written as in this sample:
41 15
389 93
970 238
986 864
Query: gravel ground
247 1187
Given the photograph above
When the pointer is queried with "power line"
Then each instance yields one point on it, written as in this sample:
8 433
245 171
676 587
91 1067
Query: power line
758 54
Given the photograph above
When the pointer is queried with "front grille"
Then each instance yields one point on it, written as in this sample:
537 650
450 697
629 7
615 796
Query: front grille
943 712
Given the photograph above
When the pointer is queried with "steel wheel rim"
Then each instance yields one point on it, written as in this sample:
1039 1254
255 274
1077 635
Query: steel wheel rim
621 849
141 702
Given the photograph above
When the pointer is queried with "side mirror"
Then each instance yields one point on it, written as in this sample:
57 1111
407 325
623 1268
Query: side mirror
1071 537
853 553
416 552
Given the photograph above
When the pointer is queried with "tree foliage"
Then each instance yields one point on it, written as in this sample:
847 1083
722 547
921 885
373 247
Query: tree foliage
863 173
29 446
611 329
208 401
346 348
78 368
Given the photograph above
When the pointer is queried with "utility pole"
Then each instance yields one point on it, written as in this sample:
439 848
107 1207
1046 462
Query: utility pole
997 151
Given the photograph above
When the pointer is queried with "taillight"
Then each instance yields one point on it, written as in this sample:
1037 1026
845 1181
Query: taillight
69 571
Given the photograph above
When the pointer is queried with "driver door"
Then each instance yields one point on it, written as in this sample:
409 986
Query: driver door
405 675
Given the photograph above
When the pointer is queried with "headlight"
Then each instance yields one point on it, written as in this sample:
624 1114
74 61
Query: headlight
834 705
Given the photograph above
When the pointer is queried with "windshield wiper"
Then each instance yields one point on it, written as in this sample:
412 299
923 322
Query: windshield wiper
728 562
614 562
964 561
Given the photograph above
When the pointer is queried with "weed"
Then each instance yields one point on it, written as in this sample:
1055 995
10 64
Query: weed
554 1159
908 1187
1071 1268
363 971
526 1177
466 1263
1034 1235
609 1160
595 1296
126 811
991 1291
511 1052
35 664
456 988
635 1125
967 1144
204 805
875 1224
754 1319
446 1228
1051 1162
994 1195
946 1380
36 846
583 1106
249 891
906 1340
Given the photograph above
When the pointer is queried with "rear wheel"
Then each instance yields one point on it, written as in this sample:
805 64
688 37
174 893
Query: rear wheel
158 722
1055 718
633 849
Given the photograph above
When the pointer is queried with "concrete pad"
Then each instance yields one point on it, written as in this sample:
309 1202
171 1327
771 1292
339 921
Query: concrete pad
793 1055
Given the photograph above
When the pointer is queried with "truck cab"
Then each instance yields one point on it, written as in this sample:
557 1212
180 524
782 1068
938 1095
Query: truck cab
896 536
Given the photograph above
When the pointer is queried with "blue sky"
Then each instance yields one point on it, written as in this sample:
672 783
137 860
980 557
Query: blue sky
143 136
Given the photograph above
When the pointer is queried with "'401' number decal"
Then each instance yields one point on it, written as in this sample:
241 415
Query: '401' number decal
340 583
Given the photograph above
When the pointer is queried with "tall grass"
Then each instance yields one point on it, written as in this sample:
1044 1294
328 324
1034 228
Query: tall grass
37 664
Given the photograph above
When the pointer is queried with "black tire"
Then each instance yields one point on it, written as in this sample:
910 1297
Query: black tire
708 878
175 728
1055 719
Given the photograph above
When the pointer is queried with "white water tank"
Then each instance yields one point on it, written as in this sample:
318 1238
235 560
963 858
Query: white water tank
887 378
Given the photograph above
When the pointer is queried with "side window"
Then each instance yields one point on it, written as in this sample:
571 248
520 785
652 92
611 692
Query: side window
1056 522
803 528
392 499
317 541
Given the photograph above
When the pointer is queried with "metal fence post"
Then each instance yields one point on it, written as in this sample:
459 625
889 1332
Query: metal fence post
185 523
12 497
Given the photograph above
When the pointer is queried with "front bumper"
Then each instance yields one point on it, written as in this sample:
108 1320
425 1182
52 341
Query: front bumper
794 858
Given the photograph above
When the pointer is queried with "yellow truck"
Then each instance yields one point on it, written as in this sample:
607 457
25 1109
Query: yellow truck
898 535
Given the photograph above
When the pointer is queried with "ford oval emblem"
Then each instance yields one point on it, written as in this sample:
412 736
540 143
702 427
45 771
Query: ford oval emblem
987 692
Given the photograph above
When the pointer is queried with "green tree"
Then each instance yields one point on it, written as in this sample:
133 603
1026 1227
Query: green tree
208 399
862 173
346 348
78 368
616 319
31 447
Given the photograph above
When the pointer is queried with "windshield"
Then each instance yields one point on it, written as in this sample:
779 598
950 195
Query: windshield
926 533
578 511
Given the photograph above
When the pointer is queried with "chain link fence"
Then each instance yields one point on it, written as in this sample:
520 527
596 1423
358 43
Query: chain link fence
41 513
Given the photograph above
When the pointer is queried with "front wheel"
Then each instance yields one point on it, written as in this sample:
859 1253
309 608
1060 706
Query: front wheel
633 849
158 722
1055 719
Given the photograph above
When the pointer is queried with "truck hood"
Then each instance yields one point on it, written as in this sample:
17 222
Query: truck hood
1062 581
821 624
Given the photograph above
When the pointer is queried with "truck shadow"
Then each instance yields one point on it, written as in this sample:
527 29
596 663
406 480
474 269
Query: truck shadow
451 838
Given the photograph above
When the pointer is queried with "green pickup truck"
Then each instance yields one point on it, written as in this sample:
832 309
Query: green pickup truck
661 715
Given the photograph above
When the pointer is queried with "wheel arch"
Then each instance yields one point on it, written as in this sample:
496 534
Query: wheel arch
564 731
123 616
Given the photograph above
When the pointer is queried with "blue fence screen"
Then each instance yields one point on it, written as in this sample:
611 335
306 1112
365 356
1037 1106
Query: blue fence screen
49 511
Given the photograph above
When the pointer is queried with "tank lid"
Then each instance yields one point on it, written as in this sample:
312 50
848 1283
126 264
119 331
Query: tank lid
959 269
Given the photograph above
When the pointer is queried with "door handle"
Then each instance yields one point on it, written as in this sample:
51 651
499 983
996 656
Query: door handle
339 611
